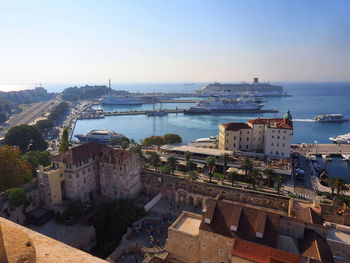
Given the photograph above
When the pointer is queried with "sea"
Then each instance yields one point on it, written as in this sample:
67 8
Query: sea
307 100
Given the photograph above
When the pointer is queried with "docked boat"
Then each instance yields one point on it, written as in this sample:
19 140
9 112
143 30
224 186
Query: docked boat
221 105
341 139
100 136
259 88
313 157
157 113
330 118
346 157
120 100
326 157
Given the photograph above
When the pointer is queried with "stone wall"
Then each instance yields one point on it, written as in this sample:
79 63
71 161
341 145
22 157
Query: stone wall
3 257
155 183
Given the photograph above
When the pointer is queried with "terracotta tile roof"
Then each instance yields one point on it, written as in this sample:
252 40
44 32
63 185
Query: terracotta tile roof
309 215
312 245
226 214
262 254
80 153
116 154
279 123
235 126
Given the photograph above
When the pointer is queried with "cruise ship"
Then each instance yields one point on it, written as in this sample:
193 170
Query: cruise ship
258 88
341 139
330 118
100 136
120 100
221 105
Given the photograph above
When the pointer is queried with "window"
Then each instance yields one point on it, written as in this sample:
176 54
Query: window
270 152
205 260
205 236
247 132
247 139
204 247
215 238
229 244
272 144
253 138
282 153
234 137
278 137
284 137
278 144
283 145
273 131
234 145
284 131
279 131
247 147
277 153
221 252
273 136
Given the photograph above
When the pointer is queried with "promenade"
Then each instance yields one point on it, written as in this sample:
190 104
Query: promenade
319 149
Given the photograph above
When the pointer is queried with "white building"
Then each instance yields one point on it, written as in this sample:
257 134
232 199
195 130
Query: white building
269 136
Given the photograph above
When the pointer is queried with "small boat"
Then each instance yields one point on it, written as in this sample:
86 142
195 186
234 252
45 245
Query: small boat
326 157
341 139
346 157
313 157
330 118
157 113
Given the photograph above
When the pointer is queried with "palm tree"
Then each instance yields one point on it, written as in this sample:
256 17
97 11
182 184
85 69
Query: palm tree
278 179
269 173
225 158
154 159
188 158
247 166
254 176
232 175
340 186
211 164
332 183
172 163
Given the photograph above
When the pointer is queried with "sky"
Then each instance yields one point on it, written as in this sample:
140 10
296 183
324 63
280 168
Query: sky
91 41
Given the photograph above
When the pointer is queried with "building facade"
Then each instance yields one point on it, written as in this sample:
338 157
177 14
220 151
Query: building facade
228 232
271 137
85 170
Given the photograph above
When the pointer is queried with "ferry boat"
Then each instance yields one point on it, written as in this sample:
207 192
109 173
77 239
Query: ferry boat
330 118
260 89
341 139
101 136
346 157
222 105
120 100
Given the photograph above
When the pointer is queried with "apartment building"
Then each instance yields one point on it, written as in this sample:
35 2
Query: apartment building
228 232
84 170
269 136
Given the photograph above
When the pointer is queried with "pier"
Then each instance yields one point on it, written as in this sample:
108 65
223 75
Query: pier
331 149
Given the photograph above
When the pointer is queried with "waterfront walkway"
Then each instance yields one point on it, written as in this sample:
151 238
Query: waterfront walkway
318 149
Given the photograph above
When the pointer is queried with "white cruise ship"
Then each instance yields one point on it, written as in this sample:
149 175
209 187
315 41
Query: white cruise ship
330 118
341 139
98 136
221 105
258 88
120 100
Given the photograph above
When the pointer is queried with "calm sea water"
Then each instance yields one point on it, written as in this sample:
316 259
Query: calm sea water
308 100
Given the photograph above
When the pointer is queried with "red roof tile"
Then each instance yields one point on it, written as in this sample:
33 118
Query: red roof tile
235 126
279 123
81 152
262 254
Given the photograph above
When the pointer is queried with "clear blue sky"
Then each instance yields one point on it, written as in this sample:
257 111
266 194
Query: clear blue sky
174 41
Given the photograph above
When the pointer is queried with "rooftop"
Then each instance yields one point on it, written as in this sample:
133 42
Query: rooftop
197 150
188 223
280 123
235 126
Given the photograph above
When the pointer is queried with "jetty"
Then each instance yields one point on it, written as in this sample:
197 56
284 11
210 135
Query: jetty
331 149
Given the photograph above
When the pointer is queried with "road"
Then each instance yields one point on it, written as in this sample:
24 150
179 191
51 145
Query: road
35 111
305 189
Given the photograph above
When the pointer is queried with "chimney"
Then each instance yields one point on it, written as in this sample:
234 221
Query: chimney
260 226
236 215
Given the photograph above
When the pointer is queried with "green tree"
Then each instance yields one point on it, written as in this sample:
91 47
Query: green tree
36 158
254 176
113 142
225 158
232 176
339 185
44 124
153 140
278 179
172 139
165 169
188 159
124 144
26 137
154 159
172 163
13 170
64 143
18 197
247 165
210 164
270 175
193 175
